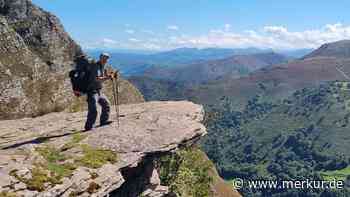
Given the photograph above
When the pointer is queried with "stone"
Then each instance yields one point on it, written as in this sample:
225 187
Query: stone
159 191
5 179
20 186
154 180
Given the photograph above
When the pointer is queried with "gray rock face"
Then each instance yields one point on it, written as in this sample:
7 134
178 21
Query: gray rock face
35 56
146 130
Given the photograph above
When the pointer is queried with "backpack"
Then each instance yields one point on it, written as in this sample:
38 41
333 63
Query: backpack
80 76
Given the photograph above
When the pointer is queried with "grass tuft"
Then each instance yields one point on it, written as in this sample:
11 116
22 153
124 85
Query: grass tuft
38 180
76 139
51 154
96 158
7 194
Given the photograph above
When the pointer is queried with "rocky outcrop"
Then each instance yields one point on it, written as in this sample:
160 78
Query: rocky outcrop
35 55
50 156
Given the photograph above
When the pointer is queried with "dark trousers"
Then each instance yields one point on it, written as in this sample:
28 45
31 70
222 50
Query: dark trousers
92 99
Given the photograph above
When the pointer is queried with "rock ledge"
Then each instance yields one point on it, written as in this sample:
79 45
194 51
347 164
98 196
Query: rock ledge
146 130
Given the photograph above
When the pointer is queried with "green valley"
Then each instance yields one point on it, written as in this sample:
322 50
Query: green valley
302 137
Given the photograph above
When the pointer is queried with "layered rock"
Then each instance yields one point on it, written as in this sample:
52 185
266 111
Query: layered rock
121 157
35 55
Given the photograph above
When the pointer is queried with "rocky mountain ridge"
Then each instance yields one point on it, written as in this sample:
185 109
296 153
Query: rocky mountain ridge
36 53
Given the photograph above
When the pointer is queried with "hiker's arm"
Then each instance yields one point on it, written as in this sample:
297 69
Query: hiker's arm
109 75
105 76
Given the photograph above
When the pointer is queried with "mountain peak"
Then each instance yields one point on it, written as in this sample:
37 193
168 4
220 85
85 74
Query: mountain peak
339 49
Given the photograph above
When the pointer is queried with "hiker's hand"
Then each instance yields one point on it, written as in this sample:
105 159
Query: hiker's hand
76 93
102 78
113 75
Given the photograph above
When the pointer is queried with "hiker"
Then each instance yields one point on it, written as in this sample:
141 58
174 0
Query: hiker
96 75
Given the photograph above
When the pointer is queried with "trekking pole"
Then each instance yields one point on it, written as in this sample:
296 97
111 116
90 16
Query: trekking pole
117 98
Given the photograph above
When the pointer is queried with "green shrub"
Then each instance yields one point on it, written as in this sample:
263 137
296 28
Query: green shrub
186 173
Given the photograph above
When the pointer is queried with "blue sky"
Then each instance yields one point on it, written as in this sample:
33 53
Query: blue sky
166 24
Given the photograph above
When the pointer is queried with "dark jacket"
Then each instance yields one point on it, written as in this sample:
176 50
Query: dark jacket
95 70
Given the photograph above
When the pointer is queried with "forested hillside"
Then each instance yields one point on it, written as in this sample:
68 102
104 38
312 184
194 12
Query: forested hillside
302 137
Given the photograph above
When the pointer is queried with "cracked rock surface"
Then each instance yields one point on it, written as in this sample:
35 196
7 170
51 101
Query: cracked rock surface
145 129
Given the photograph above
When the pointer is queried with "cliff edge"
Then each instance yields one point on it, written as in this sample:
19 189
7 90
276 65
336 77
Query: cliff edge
50 156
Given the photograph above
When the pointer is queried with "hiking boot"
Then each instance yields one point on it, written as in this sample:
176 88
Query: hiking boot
106 123
88 129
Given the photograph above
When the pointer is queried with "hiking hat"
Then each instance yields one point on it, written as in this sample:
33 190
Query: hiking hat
105 55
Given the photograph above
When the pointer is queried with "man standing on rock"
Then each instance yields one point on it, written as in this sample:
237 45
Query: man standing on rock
98 75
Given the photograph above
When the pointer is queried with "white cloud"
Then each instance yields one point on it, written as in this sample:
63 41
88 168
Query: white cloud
146 31
134 40
151 46
130 31
101 43
173 27
108 41
154 40
227 27
308 38
276 37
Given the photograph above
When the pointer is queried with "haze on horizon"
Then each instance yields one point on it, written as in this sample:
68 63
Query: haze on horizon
162 25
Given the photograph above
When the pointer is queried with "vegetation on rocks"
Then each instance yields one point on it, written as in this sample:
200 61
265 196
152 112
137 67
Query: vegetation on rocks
186 173
38 180
95 158
57 164
75 140
7 194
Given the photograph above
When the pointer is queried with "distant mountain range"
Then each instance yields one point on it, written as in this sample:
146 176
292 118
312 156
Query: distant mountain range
234 66
280 80
296 53
272 79
136 62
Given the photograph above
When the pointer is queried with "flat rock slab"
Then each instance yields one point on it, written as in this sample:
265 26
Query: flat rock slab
144 129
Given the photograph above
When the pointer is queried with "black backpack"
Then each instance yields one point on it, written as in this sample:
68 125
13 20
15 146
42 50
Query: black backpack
80 76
